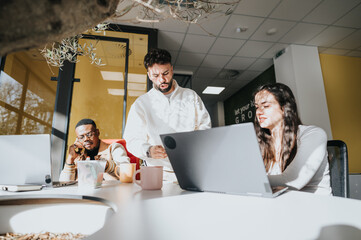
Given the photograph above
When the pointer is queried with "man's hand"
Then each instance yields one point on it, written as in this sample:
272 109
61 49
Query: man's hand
157 152
74 152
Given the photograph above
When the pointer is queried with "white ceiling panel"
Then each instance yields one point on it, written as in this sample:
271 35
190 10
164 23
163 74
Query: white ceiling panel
274 49
128 22
174 55
260 8
352 19
334 51
235 21
282 28
254 49
226 46
240 63
330 36
185 69
190 59
331 25
225 7
220 82
172 25
216 61
227 93
354 54
321 49
246 76
130 18
211 25
261 64
294 9
330 10
199 83
207 73
170 40
353 41
302 33
197 43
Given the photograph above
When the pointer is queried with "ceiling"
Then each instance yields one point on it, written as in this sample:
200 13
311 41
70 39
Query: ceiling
334 26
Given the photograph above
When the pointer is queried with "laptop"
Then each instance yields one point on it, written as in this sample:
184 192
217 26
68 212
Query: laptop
223 159
25 160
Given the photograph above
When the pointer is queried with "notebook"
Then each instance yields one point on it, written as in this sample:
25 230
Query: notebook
25 160
223 159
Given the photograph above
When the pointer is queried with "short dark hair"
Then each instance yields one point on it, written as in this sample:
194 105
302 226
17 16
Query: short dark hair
157 56
86 121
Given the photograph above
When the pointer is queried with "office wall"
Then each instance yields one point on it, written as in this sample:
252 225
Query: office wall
342 80
299 68
216 112
239 108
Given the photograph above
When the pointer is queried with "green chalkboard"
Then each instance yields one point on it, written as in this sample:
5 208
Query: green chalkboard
239 108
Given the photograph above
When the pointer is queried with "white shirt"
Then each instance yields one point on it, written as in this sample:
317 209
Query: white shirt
153 114
309 170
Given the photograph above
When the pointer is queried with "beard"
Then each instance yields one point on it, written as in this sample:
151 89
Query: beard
92 152
165 90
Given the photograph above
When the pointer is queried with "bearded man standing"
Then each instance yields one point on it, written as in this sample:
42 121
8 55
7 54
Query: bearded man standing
166 108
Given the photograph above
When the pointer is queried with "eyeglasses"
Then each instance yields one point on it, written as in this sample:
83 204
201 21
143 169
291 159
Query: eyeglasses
88 135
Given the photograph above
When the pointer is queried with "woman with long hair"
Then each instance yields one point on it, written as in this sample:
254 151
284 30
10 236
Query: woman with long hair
294 155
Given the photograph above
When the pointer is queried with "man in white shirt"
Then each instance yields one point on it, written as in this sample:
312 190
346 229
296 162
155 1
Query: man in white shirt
166 108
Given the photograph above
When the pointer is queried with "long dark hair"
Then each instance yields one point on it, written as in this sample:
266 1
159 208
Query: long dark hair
291 120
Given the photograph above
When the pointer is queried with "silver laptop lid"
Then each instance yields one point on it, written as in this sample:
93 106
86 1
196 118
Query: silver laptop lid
224 159
25 159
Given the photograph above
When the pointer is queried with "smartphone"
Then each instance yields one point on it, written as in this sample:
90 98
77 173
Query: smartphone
77 149
21 188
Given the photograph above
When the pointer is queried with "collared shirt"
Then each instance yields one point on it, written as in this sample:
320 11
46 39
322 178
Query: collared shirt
153 114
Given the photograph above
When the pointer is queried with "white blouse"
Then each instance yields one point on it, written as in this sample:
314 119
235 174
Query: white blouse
309 170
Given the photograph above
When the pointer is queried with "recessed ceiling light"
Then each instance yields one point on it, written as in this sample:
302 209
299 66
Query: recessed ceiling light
241 29
213 90
271 31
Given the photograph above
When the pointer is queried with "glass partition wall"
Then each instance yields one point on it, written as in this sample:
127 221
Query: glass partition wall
27 95
36 98
105 93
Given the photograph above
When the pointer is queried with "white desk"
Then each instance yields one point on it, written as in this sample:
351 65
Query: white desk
172 213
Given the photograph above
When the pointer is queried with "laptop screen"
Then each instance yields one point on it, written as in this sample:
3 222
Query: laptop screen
223 159
25 159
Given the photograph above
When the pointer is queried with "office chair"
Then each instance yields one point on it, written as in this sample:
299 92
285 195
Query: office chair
133 159
338 161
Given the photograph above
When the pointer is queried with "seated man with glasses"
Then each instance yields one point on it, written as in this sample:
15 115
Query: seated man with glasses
88 146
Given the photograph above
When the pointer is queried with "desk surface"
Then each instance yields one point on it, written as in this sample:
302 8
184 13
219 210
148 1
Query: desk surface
172 213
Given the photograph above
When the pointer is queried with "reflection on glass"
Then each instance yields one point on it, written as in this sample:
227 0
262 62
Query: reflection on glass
8 121
10 90
100 93
30 126
41 103
27 95
137 86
